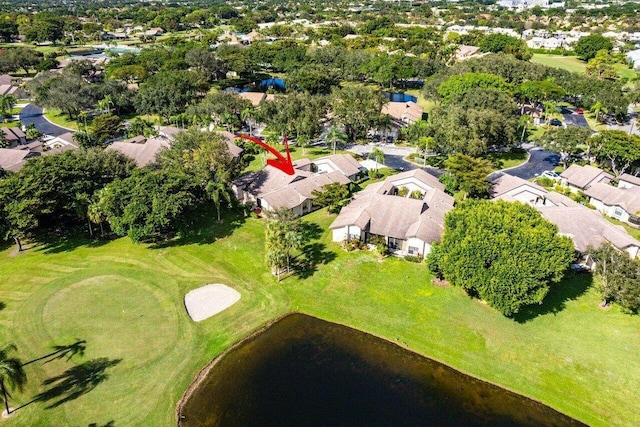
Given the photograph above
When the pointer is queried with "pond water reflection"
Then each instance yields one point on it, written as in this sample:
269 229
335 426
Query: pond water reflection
302 371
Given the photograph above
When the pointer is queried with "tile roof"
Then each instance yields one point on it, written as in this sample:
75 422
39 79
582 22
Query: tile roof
587 227
626 198
378 212
583 176
141 154
403 111
635 180
254 97
11 159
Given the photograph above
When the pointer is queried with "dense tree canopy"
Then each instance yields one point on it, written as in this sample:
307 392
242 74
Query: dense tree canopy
566 141
588 46
505 253
619 276
506 44
617 149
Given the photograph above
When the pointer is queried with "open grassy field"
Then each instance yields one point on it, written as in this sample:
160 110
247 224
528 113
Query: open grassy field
142 350
569 63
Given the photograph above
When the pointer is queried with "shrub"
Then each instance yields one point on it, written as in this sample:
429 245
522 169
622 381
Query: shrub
353 244
412 258
433 261
381 245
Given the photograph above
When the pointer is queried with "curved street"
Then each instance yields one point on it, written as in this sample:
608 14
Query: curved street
539 161
31 113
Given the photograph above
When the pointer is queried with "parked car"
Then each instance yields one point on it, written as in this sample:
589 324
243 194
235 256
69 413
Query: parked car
579 111
555 122
550 174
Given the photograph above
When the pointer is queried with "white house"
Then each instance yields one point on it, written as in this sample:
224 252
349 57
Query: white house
633 56
621 203
579 178
407 210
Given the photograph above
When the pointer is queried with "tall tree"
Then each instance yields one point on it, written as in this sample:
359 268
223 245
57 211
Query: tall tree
587 47
470 174
12 374
566 141
283 234
619 276
617 149
334 136
503 252
357 109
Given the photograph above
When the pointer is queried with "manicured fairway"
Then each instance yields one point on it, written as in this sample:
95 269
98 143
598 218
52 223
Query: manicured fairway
569 63
142 350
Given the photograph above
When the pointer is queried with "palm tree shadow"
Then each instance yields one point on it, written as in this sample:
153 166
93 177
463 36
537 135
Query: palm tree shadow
61 351
2 306
569 289
75 382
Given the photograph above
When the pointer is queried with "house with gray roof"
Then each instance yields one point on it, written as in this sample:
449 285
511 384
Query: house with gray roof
272 189
586 227
621 203
579 178
12 159
14 136
409 225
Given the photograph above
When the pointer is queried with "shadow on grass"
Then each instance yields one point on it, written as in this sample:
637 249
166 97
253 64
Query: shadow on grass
62 351
109 424
202 228
313 254
2 306
75 382
53 244
569 289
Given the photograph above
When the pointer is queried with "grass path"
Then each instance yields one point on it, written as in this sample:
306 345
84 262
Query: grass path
142 351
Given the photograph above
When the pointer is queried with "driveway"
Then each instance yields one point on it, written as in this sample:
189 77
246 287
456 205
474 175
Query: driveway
539 161
33 114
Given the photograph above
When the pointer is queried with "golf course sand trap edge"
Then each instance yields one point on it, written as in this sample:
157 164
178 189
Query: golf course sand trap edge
206 301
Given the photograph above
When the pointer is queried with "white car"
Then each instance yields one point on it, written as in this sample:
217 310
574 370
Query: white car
550 174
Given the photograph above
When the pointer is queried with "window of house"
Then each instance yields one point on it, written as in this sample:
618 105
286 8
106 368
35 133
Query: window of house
413 250
618 212
395 243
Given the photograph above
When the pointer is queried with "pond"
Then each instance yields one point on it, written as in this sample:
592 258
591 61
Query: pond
400 97
302 371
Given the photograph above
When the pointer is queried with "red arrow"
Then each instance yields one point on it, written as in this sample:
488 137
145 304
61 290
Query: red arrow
280 162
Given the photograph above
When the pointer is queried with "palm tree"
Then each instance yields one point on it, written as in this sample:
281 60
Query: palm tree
598 108
378 156
7 102
336 134
105 103
385 123
227 119
83 115
216 190
95 216
303 141
11 373
550 110
247 116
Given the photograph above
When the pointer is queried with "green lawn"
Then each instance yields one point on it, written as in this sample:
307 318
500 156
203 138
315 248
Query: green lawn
142 351
569 63
507 160
57 117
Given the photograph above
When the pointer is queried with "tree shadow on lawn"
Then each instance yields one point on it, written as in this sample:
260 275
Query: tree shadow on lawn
2 306
53 244
62 351
75 382
201 227
109 424
313 254
569 289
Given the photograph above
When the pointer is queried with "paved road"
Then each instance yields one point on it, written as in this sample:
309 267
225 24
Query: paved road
393 156
33 114
539 161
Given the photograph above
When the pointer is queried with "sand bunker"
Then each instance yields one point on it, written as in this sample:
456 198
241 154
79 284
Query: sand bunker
208 300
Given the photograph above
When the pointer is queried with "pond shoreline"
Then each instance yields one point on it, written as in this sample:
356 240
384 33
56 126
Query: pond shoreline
203 373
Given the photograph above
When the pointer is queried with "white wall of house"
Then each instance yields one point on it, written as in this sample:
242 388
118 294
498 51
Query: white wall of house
612 211
625 184
633 251
528 195
348 232
325 166
417 247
